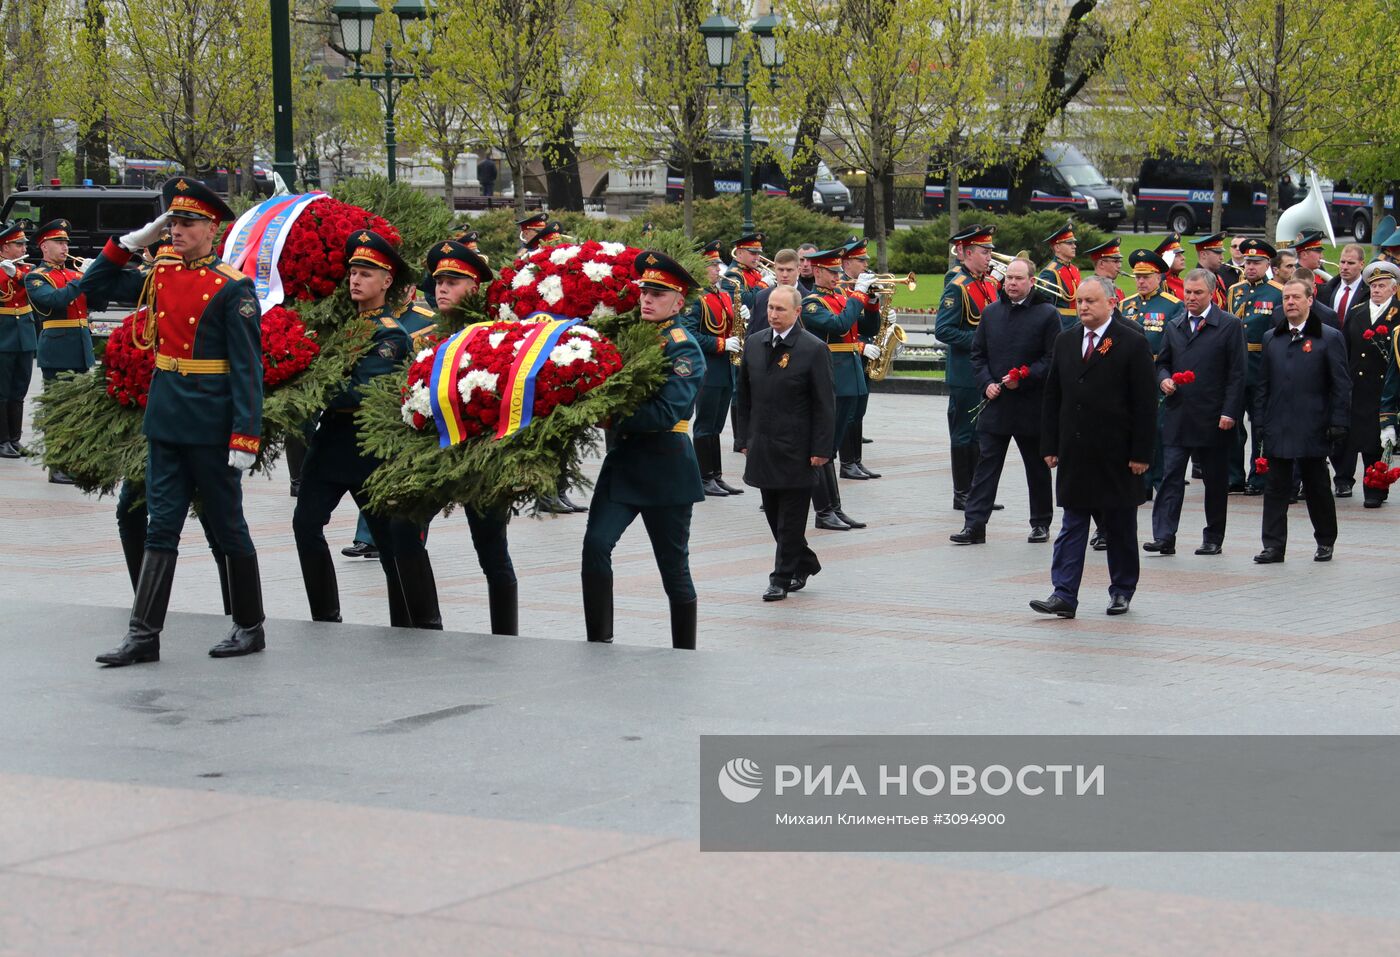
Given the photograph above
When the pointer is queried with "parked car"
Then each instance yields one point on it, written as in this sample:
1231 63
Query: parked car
1062 180
829 195
95 213
1179 193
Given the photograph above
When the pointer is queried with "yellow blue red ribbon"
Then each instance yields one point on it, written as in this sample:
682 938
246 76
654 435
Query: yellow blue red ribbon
443 396
518 397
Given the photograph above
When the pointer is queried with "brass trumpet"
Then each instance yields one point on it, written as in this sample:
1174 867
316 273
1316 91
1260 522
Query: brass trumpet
885 282
998 271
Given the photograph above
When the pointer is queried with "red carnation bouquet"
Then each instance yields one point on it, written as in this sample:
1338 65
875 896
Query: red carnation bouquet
1018 374
1380 475
312 261
1381 330
588 280
287 349
1184 378
579 362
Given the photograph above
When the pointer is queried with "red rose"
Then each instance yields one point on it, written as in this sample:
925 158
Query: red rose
1261 465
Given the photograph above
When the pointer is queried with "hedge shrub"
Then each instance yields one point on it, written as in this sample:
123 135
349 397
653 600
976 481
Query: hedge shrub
924 249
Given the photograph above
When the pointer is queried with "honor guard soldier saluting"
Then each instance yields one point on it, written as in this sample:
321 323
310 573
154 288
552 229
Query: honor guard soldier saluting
964 297
718 326
745 268
203 421
1062 273
18 340
839 320
1257 301
650 468
458 272
335 464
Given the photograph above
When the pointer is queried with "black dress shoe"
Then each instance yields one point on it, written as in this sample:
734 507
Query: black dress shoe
1119 605
1208 548
865 441
775 593
829 522
719 480
1098 543
1323 553
1253 490
1054 605
360 550
868 474
1039 534
849 471
997 508
1269 556
1161 546
8 450
798 582
570 504
1344 489
550 505
1372 502
59 478
850 522
970 535
712 489
1236 489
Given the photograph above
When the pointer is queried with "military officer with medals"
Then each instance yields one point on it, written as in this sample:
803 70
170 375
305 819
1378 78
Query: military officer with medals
1152 308
203 419
1210 254
717 325
969 292
335 464
18 340
1257 301
650 468
839 319
1174 256
1108 262
855 262
1062 274
745 269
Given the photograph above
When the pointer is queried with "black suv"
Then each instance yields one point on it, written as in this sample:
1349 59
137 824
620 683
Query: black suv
95 213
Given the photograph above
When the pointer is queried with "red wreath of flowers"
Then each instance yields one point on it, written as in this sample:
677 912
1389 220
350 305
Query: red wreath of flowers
554 385
581 293
312 262
287 349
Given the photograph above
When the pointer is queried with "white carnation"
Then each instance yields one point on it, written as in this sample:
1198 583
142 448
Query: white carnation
465 361
505 312
425 353
419 400
570 352
476 379
586 331
611 249
602 311
523 278
496 338
597 271
563 254
551 289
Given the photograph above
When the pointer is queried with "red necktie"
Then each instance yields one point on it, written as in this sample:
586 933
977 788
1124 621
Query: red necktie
1342 305
1089 346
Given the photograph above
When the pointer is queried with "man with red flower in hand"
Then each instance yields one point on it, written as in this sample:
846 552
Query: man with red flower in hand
1010 356
1370 330
650 468
203 418
335 464
1200 371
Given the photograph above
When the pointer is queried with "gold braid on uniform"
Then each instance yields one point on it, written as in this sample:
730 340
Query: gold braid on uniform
145 332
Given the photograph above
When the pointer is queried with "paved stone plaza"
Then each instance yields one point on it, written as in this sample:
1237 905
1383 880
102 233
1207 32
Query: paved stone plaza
358 790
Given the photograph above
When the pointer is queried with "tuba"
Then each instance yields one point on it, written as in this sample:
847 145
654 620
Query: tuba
1310 212
889 337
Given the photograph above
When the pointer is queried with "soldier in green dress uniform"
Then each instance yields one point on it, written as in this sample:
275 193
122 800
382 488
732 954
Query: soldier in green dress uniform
1258 302
715 322
964 297
650 468
855 262
18 340
1151 309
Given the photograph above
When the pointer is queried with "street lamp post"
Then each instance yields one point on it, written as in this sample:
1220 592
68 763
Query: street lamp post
719 32
357 37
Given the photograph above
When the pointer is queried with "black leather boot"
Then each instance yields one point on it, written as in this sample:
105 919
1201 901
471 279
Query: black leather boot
834 490
133 550
598 607
683 625
318 575
15 414
221 563
245 598
399 616
717 463
550 505
962 475
504 599
142 642
825 516
419 589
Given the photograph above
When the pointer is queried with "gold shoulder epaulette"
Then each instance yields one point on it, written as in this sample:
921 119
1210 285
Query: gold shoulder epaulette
388 322
1237 285
1169 297
424 312
960 279
230 272
1275 283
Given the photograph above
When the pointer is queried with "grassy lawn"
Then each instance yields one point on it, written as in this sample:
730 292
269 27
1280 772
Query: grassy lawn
917 374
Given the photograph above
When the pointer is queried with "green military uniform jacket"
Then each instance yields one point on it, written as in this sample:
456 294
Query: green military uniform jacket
833 328
389 346
420 323
56 300
1259 306
1152 315
16 317
651 460
955 325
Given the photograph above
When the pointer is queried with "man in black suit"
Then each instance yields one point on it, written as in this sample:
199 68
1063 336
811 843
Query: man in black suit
1347 288
1305 399
785 270
1098 427
1370 333
1017 331
786 410
1198 415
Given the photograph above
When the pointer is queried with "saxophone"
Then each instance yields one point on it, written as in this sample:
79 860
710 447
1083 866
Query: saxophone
889 338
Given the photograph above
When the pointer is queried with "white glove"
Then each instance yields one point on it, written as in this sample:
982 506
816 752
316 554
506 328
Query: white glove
85 264
1387 436
8 267
871 351
242 461
864 281
138 239
745 312
733 344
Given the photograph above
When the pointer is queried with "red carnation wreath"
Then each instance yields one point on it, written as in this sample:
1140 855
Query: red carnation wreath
312 261
287 350
587 280
579 362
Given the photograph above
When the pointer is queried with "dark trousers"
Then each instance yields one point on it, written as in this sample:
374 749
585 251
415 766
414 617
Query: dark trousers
983 494
786 510
1215 473
846 406
1317 491
712 405
850 446
16 371
962 427
1119 526
488 539
1157 467
668 527
174 473
1239 468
